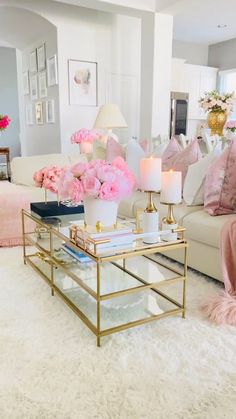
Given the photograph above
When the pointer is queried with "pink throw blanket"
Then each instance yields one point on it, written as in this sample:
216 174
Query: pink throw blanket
222 308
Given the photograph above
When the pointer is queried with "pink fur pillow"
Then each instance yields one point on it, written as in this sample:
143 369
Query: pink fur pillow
172 148
113 150
181 160
220 184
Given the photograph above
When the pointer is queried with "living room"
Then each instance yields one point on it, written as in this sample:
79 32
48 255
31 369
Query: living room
102 200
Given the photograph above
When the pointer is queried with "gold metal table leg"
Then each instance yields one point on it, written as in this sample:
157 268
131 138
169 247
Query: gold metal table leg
184 283
98 304
52 267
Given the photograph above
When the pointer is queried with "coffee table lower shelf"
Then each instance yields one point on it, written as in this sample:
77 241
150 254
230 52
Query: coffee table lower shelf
88 297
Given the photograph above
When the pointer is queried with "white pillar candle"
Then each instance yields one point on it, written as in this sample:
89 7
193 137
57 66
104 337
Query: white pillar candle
171 190
150 171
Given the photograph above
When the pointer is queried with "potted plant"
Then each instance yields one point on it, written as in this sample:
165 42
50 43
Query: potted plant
218 107
85 138
4 122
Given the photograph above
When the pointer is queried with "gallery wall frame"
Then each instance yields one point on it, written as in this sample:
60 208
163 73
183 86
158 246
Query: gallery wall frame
83 82
25 77
33 62
42 84
34 87
39 113
41 57
50 111
52 74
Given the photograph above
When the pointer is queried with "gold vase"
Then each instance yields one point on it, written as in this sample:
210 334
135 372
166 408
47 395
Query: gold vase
216 121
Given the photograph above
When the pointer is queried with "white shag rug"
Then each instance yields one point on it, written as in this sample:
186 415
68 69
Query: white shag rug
51 368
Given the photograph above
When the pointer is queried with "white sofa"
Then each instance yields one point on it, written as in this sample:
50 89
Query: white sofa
23 169
202 232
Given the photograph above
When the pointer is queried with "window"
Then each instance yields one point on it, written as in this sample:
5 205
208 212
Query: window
227 84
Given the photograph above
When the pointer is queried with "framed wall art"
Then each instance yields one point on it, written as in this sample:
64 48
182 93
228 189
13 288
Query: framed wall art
41 57
42 84
33 62
29 114
82 82
39 113
52 70
50 112
34 87
26 89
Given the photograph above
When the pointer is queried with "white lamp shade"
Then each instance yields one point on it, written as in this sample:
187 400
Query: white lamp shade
110 116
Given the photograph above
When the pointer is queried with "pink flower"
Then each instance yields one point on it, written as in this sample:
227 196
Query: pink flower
91 185
109 191
78 169
4 122
106 173
75 190
84 135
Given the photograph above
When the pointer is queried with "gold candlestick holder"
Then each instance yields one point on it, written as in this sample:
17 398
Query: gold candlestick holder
169 219
169 222
150 220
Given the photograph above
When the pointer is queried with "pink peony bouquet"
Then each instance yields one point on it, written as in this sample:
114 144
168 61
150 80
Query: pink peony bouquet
48 178
84 135
231 126
97 179
215 101
4 122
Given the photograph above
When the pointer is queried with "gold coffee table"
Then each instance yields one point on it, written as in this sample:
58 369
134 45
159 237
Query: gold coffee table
112 291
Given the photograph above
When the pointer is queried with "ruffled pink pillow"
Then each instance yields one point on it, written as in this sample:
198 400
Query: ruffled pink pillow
181 160
113 150
172 148
220 184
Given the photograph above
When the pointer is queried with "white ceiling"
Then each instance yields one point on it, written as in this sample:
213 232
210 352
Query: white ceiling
194 20
197 20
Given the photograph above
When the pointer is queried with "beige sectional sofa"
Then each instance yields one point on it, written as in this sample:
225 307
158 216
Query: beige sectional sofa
23 169
202 230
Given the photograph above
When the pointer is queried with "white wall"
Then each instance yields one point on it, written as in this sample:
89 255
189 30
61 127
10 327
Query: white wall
222 55
192 53
100 37
42 139
9 99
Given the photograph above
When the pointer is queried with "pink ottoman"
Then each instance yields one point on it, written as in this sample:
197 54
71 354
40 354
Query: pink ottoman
12 199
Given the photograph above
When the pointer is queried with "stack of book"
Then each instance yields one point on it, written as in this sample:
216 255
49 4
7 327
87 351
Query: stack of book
117 238
77 254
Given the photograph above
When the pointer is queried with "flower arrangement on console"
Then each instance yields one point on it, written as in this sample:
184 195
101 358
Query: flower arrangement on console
218 107
100 185
214 101
48 178
85 138
231 126
4 122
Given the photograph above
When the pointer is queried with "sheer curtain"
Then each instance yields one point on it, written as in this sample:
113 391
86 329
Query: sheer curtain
227 84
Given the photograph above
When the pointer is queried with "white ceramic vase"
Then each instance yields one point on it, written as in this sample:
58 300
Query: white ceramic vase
86 147
98 210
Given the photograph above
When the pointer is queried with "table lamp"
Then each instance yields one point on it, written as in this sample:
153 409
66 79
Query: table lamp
109 116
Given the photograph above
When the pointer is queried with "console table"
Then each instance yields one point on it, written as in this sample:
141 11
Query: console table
4 151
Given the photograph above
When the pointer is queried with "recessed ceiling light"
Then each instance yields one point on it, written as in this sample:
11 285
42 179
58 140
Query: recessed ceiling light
222 26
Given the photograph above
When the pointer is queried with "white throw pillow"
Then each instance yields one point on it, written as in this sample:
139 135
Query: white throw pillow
134 153
159 149
193 192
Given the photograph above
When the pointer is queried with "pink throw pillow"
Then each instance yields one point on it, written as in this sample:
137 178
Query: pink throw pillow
180 161
220 184
114 149
172 148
